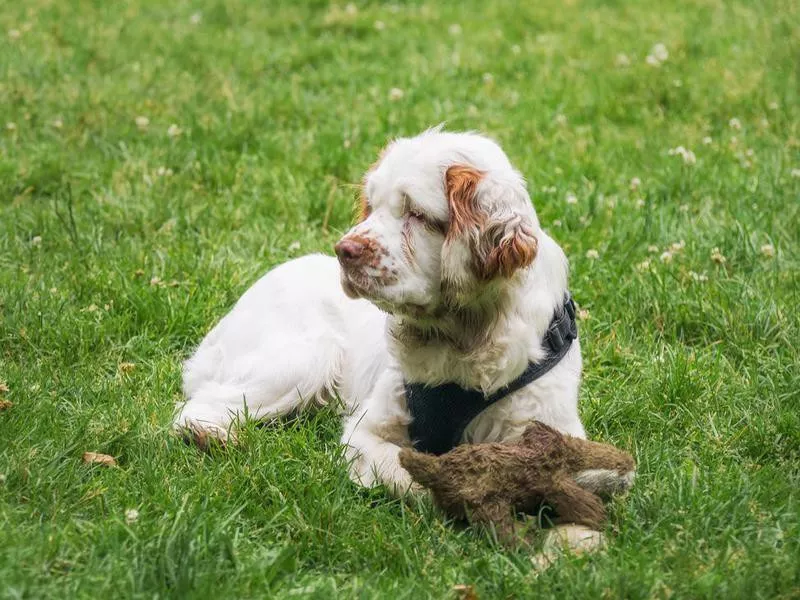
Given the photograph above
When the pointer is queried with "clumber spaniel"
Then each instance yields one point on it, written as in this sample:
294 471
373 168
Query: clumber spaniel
446 280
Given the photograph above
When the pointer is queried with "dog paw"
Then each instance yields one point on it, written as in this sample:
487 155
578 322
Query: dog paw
568 539
204 435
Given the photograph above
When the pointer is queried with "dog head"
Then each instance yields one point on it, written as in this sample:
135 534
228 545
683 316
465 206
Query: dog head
445 221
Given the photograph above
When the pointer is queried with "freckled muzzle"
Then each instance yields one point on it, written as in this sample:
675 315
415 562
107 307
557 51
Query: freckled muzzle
364 263
356 251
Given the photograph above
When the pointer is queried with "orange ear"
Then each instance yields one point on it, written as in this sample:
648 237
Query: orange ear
362 206
514 251
461 185
362 209
500 253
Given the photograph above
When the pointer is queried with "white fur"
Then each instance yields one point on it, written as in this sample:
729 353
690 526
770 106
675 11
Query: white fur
296 338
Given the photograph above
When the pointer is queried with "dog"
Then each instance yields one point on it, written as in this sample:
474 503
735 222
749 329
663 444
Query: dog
447 278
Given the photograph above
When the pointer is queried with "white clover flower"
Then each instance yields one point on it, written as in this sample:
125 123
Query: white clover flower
698 276
652 61
131 515
622 60
571 198
592 254
454 29
688 156
652 248
36 240
635 183
640 203
707 140
173 131
683 208
515 49
735 123
560 119
795 173
396 94
142 122
660 52
488 78
294 246
773 105
379 25
644 265
14 34
196 18
351 9
557 223
764 123
666 256
11 126
677 246
717 256
58 123
768 250
583 314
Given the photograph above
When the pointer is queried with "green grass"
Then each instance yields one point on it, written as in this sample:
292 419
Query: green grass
690 364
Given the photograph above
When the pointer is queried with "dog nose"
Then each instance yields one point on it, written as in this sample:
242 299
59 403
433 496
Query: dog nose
349 251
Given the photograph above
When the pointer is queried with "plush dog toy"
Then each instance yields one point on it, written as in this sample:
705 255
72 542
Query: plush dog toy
489 483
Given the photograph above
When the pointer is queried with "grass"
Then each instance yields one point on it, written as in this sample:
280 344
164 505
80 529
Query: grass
120 245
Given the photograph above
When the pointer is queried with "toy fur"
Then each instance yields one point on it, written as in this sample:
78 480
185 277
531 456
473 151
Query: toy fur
488 483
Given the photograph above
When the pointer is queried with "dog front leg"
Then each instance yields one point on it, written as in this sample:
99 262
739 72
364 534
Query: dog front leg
374 435
374 461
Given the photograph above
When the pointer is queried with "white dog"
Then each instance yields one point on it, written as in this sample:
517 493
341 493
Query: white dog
447 279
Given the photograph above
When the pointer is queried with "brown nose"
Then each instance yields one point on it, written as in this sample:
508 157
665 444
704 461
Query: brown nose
349 252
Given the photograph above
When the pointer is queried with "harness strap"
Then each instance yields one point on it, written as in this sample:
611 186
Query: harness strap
441 413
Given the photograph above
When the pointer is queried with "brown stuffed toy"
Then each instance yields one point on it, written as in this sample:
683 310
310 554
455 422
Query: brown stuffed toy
489 483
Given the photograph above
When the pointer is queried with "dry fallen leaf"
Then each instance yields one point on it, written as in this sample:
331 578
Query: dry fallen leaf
3 387
96 457
465 592
126 367
5 404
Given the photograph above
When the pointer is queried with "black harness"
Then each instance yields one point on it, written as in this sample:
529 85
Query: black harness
441 414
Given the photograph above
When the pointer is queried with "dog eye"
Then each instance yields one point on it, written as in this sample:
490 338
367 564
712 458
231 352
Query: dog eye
416 215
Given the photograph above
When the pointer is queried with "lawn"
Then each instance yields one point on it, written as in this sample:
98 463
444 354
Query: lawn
156 158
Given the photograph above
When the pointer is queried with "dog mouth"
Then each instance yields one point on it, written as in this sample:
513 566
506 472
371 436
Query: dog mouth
356 285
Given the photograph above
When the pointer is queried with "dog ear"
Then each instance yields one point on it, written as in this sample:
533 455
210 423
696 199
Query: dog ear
461 185
361 209
501 240
512 246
